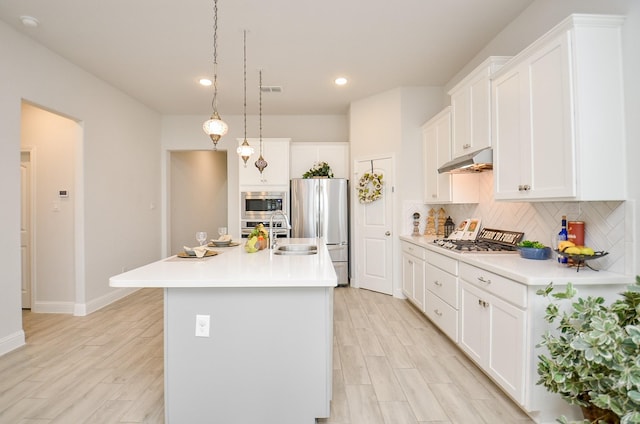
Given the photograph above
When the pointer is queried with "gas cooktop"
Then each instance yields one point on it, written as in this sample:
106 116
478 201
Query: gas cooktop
488 241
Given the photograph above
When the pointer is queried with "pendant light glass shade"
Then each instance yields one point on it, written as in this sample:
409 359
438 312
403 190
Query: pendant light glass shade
245 151
215 127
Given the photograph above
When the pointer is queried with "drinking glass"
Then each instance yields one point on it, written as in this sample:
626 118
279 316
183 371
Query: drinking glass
222 231
201 236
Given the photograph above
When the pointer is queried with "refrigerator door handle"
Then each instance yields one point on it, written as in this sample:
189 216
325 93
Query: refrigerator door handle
320 210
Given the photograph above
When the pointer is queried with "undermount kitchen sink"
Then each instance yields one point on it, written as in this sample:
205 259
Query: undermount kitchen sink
296 249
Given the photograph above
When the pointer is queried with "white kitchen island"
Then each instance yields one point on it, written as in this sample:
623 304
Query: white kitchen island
268 357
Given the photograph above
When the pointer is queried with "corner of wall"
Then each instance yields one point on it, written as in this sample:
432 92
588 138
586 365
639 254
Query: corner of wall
11 342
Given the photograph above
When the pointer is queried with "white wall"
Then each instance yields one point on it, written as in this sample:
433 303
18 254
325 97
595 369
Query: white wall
390 123
117 184
198 193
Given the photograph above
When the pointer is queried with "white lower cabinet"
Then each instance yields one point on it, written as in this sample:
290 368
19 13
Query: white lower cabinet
413 273
496 321
441 293
492 329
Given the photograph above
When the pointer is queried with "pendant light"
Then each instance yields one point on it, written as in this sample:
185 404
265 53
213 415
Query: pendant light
261 164
244 150
215 127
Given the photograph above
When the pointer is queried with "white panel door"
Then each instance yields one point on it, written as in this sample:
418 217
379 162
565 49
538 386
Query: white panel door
25 227
373 224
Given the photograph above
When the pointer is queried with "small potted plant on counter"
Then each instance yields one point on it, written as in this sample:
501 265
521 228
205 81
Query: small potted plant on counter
593 359
534 250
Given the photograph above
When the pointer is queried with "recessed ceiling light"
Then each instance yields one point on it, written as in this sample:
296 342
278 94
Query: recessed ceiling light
29 21
205 82
340 81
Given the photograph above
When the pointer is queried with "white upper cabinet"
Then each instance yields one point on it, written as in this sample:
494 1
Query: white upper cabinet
304 155
558 111
436 151
471 108
276 153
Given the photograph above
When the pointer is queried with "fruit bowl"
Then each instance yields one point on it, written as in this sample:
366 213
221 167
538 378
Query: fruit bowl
579 259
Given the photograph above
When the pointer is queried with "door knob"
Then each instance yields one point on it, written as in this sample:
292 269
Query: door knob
388 233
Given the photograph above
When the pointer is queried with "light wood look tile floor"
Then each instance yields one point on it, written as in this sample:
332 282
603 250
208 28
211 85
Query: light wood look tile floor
391 366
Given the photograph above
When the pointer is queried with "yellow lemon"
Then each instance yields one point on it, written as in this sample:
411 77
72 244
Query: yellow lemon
564 244
587 251
572 250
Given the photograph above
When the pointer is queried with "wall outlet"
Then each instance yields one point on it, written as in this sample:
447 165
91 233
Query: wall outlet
202 325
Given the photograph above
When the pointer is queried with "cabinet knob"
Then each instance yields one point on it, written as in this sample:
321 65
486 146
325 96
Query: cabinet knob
437 312
526 187
520 187
483 303
388 233
437 283
434 196
466 146
410 262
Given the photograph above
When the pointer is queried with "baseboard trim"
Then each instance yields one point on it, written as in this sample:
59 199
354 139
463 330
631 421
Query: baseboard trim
82 309
12 342
49 307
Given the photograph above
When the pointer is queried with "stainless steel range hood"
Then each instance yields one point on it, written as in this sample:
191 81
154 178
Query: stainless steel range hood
473 162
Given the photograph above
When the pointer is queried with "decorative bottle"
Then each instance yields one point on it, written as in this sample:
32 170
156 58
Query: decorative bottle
562 236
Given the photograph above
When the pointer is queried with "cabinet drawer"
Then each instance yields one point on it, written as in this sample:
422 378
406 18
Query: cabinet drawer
443 284
509 290
442 315
443 262
412 249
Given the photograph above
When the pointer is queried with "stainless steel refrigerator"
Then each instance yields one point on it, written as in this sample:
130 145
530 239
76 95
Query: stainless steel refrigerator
320 208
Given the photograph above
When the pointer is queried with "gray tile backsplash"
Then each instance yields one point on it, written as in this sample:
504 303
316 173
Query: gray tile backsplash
606 226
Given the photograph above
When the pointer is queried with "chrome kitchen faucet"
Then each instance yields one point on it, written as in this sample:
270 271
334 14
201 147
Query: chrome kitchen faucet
272 241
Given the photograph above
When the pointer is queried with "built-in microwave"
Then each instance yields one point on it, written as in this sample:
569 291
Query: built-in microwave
261 204
258 206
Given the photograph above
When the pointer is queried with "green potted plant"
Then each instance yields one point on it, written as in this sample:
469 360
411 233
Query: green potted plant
319 169
593 359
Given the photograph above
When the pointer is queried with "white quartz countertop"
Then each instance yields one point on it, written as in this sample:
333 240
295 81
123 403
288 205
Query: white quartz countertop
233 267
526 271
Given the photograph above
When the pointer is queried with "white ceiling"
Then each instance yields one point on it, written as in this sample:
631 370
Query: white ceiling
157 50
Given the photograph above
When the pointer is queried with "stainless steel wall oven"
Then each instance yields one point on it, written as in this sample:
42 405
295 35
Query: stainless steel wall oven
257 206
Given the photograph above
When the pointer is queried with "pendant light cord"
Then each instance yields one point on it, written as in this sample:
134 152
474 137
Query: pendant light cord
260 103
245 80
214 101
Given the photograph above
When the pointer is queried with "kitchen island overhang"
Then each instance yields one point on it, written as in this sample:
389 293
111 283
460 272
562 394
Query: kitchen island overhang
268 357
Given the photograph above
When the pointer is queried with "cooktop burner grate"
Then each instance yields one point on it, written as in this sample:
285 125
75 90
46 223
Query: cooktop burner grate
488 241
